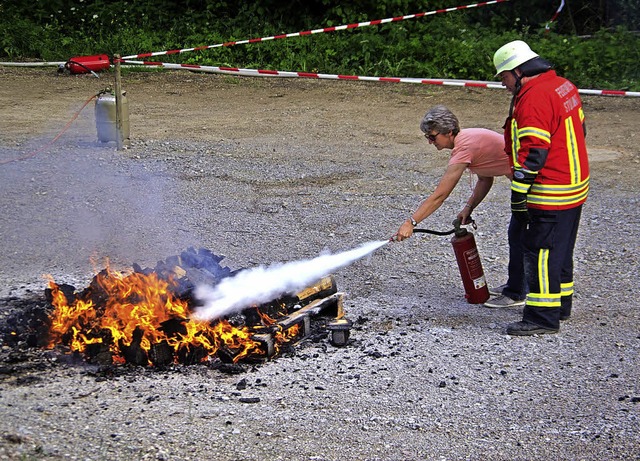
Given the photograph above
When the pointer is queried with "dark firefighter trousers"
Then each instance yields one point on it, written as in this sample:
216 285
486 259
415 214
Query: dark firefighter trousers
516 283
548 244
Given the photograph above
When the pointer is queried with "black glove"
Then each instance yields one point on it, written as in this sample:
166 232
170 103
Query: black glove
520 185
519 207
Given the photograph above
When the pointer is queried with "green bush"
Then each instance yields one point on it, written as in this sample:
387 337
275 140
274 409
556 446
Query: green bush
454 45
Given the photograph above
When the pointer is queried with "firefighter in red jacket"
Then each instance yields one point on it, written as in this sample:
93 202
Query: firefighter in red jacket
545 137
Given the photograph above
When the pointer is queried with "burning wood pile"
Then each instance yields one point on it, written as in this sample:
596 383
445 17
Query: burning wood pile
145 317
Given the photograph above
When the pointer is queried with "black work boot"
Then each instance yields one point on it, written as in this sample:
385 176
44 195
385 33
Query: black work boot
542 317
525 328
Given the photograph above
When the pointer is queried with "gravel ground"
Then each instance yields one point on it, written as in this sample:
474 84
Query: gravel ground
265 171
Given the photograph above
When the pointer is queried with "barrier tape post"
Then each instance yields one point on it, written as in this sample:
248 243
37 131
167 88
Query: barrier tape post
119 114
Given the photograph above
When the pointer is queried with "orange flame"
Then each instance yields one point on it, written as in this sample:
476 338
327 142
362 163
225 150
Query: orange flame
280 334
143 302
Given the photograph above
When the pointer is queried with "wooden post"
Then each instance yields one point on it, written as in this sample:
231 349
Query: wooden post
118 89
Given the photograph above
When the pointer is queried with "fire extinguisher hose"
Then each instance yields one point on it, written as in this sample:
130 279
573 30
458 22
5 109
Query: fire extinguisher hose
433 232
66 127
456 228
427 231
71 61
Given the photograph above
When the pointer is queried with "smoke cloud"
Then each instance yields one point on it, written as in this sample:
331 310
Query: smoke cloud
263 284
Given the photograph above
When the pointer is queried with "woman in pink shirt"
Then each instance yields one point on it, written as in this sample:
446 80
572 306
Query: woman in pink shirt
482 152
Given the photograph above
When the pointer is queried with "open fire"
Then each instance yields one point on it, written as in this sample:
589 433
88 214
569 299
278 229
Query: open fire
145 317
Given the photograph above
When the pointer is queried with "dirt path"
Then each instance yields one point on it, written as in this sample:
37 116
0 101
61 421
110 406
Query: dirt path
173 105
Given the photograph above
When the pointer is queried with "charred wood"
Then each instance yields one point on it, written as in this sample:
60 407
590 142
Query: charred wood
133 353
161 354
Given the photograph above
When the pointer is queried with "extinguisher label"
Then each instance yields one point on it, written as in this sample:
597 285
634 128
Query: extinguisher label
479 283
475 268
474 264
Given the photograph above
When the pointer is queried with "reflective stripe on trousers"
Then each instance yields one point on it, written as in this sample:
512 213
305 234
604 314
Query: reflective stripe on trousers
549 241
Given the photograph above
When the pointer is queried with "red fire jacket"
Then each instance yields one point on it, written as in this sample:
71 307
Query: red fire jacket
546 138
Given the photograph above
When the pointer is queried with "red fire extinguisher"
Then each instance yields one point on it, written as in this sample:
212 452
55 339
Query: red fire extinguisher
466 251
85 64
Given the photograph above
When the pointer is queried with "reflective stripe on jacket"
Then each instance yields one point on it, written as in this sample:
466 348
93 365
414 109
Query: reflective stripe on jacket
545 137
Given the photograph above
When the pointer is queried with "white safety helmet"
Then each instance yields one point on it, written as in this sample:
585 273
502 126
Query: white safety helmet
512 55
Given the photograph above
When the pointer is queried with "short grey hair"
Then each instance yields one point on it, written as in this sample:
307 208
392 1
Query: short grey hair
441 120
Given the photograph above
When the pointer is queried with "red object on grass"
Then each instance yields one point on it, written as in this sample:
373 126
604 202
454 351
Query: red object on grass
85 64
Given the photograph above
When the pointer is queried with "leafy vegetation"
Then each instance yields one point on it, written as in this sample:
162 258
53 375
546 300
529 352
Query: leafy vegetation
591 42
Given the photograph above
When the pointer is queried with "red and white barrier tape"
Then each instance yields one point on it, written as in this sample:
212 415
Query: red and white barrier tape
424 81
548 26
315 31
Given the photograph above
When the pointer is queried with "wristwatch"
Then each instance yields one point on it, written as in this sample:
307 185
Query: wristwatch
413 221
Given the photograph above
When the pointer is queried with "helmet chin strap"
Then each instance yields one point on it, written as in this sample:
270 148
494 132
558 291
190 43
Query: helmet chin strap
518 79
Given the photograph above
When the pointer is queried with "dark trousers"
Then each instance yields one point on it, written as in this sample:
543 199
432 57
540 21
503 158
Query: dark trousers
549 241
517 282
